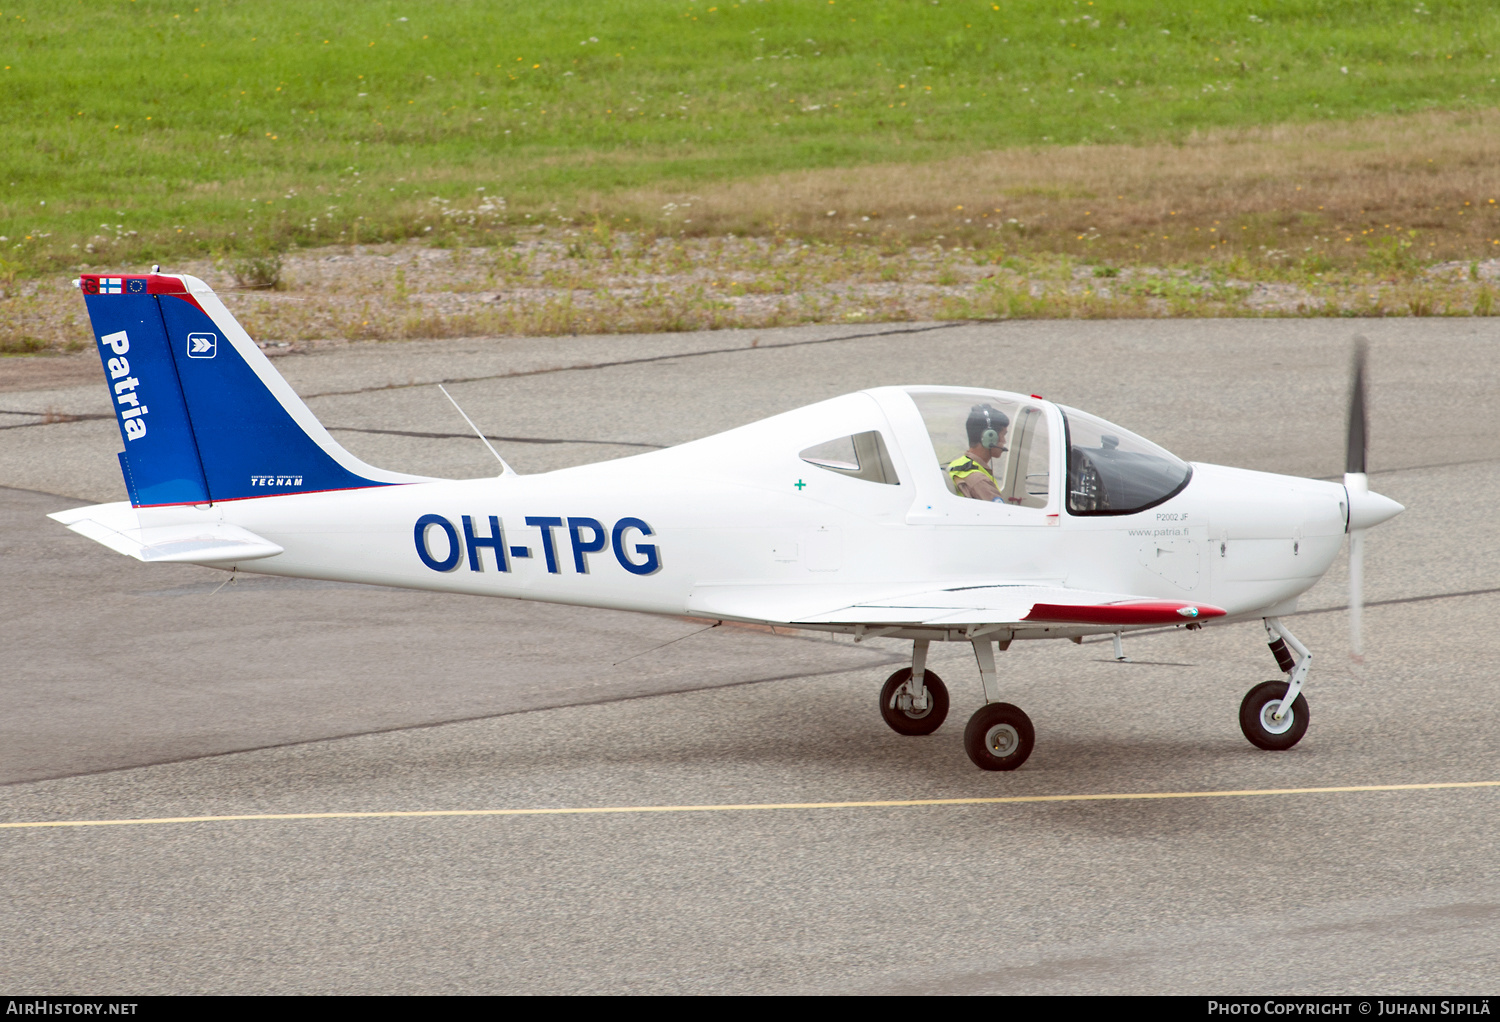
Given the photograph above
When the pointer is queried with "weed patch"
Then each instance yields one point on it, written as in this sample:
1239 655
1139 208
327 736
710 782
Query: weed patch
652 284
21 345
259 272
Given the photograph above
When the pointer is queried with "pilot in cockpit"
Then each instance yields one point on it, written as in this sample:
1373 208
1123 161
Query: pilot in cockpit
970 471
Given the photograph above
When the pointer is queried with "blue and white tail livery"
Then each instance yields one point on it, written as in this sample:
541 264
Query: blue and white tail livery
926 513
204 416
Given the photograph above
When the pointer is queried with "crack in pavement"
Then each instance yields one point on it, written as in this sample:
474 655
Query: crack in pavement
504 439
637 361
542 372
1315 610
1401 599
56 418
1414 468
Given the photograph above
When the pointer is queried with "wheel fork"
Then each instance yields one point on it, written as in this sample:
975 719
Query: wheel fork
1297 676
915 688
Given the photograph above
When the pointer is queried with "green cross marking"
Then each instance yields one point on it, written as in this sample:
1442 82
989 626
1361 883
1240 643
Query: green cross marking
799 484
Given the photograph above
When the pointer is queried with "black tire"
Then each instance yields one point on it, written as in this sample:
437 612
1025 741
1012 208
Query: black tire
999 737
905 722
1255 720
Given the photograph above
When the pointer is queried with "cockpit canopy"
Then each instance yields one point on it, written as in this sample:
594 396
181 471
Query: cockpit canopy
990 447
1110 471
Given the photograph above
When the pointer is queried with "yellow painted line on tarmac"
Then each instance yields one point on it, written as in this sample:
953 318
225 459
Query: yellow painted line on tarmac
1142 796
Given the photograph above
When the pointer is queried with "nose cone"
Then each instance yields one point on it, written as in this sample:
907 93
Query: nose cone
1367 509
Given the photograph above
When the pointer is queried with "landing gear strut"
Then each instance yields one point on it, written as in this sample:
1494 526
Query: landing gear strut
914 700
999 736
1274 714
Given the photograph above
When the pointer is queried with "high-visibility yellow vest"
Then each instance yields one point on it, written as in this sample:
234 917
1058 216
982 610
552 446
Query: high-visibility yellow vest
964 465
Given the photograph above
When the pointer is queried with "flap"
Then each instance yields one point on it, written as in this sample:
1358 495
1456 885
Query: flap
1020 604
997 604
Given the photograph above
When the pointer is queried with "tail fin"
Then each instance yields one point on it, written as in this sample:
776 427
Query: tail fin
204 415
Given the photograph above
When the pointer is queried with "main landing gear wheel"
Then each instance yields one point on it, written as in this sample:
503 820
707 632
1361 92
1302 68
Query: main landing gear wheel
1258 720
999 737
896 704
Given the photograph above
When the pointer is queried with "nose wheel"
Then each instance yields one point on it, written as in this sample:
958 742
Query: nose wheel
1266 723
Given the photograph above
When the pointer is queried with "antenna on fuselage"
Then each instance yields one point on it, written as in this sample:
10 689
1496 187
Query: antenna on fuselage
506 470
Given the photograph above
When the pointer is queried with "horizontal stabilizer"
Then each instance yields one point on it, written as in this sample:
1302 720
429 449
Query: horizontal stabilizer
117 527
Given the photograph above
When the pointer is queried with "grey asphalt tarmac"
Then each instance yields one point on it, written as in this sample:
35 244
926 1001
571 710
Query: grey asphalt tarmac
131 691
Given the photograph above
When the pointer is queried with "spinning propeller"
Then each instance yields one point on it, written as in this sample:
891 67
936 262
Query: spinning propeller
1366 509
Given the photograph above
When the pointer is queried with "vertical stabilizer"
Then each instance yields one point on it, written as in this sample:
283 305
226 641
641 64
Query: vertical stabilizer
204 415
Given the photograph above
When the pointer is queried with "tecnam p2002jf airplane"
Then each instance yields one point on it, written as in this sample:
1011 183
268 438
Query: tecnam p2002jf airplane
921 512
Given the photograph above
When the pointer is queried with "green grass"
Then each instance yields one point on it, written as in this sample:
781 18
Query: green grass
149 128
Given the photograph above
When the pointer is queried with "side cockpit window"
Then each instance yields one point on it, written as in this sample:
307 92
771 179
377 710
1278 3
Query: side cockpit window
861 456
989 447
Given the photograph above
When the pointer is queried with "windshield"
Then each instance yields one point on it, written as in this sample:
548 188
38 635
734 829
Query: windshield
1111 471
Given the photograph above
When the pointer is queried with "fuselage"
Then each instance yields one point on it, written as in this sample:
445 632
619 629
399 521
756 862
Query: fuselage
673 531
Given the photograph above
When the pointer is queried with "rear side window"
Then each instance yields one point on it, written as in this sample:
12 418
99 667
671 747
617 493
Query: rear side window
861 456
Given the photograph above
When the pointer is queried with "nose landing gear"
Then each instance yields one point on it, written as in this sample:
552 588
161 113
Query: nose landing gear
1274 714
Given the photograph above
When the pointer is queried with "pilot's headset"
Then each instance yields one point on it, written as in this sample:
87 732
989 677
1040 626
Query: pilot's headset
985 424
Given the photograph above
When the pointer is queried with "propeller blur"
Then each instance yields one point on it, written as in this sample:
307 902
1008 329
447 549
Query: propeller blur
1366 509
925 513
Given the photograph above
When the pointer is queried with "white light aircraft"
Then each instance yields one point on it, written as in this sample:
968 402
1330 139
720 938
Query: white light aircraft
925 513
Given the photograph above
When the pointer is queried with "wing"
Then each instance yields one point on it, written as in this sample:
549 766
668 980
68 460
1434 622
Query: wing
998 604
